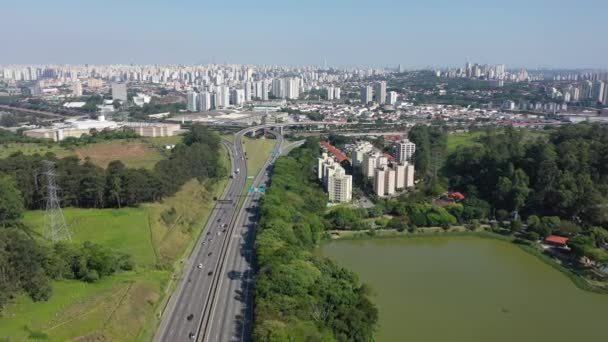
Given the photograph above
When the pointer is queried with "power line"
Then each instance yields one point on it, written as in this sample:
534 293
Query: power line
55 228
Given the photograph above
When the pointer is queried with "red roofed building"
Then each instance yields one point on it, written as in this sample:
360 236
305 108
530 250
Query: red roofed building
339 155
556 240
456 196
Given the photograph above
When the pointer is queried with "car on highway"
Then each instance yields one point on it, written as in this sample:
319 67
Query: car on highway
190 317
200 266
210 273
192 336
209 253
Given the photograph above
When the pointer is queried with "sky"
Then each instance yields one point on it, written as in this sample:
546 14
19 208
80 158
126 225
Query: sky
354 33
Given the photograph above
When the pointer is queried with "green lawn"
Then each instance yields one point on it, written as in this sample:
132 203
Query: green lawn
258 151
456 140
33 148
125 229
123 307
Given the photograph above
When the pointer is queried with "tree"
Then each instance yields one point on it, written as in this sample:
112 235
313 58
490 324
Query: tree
516 226
11 204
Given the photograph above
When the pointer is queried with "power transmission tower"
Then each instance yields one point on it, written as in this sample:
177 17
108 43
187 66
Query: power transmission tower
55 228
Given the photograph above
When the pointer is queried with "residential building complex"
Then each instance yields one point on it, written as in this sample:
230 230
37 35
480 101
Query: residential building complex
337 183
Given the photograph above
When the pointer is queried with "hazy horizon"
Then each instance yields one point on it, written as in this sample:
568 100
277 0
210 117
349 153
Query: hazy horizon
357 33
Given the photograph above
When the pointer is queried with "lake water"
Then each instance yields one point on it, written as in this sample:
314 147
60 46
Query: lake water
465 288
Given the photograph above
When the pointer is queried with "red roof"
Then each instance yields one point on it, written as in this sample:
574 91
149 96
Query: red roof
558 240
456 195
334 151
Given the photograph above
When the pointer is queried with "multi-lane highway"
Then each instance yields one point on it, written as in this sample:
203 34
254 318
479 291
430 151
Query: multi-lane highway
213 302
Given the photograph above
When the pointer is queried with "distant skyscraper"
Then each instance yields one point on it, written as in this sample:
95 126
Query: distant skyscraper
192 101
77 88
392 97
336 93
119 91
598 91
366 94
278 88
237 97
204 101
248 90
380 92
330 93
265 89
292 88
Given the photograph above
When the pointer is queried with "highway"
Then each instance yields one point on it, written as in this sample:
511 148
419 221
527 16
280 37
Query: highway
213 300
232 313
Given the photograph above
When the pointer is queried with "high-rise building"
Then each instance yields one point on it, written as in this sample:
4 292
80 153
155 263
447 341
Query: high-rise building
336 93
598 91
119 91
337 183
380 92
404 150
605 102
399 175
237 97
330 93
384 182
392 98
359 151
265 89
192 101
292 88
204 101
248 90
366 94
278 88
372 160
77 88
340 186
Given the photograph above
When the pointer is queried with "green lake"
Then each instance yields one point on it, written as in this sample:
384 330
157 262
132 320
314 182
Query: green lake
466 288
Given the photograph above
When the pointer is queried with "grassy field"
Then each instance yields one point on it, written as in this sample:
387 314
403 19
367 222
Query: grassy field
135 154
456 140
123 307
31 148
257 150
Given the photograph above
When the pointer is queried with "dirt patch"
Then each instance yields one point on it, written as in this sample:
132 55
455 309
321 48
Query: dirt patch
136 154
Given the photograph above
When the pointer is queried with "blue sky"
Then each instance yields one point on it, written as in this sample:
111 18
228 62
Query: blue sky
533 33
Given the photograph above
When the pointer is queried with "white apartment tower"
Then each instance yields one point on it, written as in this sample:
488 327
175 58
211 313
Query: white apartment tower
204 101
330 93
337 183
192 101
366 94
336 93
380 92
404 151
292 88
77 88
392 98
384 182
119 91
359 152
340 186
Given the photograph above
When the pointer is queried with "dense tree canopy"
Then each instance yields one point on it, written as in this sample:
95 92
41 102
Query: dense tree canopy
86 185
300 296
11 204
566 176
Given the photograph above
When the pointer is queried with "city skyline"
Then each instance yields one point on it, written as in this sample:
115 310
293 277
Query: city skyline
356 34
